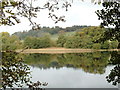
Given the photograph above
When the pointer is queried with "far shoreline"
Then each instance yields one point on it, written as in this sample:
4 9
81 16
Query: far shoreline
59 50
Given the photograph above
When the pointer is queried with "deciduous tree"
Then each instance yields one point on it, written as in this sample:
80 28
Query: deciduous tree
110 16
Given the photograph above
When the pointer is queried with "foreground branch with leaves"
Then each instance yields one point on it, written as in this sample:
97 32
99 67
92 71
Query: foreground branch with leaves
15 73
110 16
10 10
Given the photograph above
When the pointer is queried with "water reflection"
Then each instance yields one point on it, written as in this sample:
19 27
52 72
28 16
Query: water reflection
114 76
16 72
94 63
89 62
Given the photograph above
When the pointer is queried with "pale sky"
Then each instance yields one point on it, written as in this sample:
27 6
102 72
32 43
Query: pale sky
81 13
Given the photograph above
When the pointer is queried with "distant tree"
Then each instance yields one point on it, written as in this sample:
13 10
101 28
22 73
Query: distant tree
45 42
105 45
3 39
61 40
10 42
113 44
69 43
28 42
87 36
96 46
35 42
79 40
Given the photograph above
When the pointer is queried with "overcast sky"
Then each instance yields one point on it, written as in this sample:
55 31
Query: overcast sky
81 13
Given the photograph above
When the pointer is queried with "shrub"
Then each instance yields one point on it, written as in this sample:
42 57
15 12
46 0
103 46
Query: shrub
96 46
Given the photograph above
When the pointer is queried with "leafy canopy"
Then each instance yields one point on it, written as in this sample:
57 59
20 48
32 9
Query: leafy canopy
110 16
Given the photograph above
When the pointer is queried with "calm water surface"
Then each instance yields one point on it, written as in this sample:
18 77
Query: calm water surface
78 70
71 78
85 70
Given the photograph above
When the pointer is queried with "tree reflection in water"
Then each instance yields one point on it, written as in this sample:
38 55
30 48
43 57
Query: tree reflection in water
90 62
114 76
15 73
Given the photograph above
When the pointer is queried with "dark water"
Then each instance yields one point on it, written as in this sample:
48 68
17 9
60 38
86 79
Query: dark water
83 70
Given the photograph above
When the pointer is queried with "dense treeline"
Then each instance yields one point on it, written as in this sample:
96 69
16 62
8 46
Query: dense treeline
47 30
82 38
9 42
35 42
86 38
